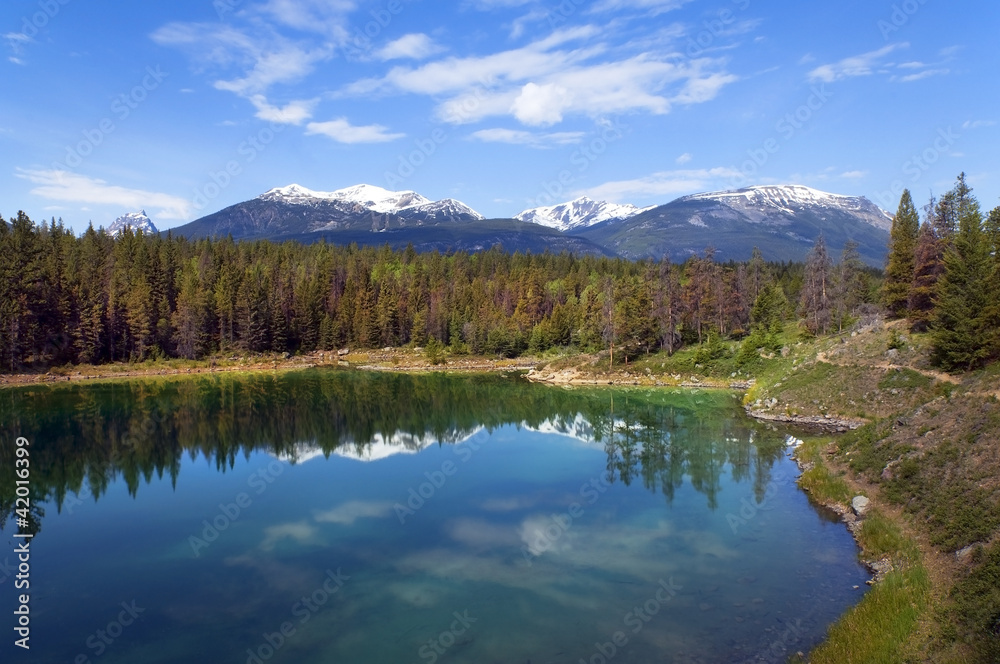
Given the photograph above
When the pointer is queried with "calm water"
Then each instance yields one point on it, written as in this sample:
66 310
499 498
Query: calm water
332 516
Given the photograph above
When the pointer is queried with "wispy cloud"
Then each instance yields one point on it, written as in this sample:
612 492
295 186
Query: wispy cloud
294 112
653 7
416 46
531 139
343 131
663 183
853 175
977 124
58 185
924 74
684 158
349 512
857 65
545 81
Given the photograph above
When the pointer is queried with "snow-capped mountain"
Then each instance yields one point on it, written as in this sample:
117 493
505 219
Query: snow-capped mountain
369 198
137 221
578 213
759 203
782 220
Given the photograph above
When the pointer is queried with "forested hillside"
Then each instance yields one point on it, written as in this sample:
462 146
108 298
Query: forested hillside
97 298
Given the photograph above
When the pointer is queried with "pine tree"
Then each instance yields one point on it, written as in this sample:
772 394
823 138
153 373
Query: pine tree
900 262
963 335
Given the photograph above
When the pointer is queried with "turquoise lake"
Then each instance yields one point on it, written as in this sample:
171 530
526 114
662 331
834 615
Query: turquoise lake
325 516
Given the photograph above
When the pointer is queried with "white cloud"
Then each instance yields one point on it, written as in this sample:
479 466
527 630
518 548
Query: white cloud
416 46
58 185
284 65
545 81
541 104
977 124
663 183
531 139
326 17
294 112
924 74
858 65
349 512
343 131
684 158
301 532
853 175
654 6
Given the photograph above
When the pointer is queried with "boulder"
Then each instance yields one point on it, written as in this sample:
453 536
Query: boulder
860 505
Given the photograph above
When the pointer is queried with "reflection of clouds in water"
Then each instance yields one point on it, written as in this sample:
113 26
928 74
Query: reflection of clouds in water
420 595
511 504
349 512
594 559
543 533
481 534
300 531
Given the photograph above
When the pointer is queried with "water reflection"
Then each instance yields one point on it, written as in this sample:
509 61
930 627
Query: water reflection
86 437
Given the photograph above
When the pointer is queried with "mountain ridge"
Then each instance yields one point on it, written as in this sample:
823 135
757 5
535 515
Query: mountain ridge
783 220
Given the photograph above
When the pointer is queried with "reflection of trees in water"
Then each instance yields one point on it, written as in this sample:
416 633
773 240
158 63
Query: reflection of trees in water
663 443
84 437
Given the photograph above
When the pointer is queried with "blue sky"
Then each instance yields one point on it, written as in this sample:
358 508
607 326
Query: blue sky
184 108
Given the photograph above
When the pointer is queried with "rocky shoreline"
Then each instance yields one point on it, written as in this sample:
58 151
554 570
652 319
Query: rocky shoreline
825 422
852 516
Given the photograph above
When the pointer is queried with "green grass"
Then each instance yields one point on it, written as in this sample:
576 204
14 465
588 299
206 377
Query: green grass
818 481
879 628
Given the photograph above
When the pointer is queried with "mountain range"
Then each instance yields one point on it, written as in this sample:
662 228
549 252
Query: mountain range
784 221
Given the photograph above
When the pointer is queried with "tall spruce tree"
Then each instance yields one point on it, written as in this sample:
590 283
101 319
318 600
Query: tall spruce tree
900 262
964 334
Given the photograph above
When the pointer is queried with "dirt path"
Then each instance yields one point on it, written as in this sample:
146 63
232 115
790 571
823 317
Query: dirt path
937 375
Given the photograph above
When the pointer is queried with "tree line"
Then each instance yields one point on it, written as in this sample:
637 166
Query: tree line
943 275
97 298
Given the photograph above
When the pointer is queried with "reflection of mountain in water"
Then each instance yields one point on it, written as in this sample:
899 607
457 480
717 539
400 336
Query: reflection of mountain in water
87 436
380 446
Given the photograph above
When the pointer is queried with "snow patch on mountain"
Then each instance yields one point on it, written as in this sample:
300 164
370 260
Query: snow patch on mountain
578 213
788 199
370 197
137 221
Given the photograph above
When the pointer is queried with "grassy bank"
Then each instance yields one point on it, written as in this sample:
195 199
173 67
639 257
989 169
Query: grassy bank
884 626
